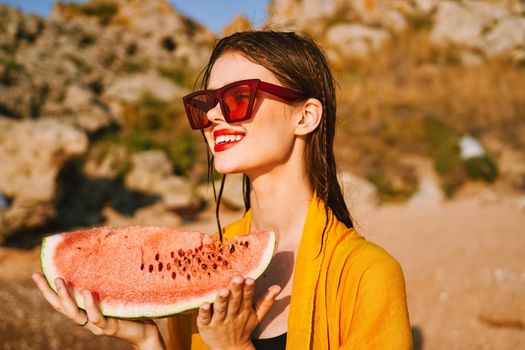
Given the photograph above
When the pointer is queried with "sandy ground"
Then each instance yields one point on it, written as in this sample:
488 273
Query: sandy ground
464 264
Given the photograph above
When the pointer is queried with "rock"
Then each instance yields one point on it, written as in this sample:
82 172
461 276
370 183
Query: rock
314 10
109 166
470 147
152 173
85 110
429 193
32 153
394 21
455 24
238 24
508 34
149 167
282 13
232 195
380 13
426 6
92 119
78 97
358 192
355 40
131 88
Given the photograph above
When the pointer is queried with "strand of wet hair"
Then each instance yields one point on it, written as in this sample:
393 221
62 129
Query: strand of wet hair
218 205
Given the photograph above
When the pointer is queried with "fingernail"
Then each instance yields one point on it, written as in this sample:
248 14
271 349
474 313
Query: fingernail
34 276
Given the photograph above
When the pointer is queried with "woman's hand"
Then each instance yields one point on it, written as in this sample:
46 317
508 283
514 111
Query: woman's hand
141 334
234 318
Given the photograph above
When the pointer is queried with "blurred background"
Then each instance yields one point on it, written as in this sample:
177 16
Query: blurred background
430 142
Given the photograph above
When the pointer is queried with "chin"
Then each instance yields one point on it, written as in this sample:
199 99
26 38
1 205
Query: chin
225 168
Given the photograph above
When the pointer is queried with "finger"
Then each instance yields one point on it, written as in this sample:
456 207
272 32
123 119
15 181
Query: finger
93 312
236 294
247 297
49 294
204 316
220 306
265 302
71 309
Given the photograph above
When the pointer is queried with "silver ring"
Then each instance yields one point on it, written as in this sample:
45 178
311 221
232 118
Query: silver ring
85 322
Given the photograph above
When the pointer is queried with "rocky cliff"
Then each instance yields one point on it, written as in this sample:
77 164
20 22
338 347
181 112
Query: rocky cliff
352 28
68 81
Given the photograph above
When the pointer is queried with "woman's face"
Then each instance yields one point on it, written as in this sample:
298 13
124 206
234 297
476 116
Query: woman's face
261 143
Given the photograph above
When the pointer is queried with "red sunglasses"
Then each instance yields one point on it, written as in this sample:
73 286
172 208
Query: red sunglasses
236 101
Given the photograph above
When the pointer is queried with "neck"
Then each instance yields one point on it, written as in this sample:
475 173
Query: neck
280 202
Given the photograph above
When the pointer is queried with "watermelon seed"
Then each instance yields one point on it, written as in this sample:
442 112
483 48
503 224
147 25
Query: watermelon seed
219 258
188 277
157 256
184 269
214 266
246 244
160 266
151 268
168 266
181 252
198 260
204 266
232 248
225 263
180 264
172 254
173 275
209 274
142 267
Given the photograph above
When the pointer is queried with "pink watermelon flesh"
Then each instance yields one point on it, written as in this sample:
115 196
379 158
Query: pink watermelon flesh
151 271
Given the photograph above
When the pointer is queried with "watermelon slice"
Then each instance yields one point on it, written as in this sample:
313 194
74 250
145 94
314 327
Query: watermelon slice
148 272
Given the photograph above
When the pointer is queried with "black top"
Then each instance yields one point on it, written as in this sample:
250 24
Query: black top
275 343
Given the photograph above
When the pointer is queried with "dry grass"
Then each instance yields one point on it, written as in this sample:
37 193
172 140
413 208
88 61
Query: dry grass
413 98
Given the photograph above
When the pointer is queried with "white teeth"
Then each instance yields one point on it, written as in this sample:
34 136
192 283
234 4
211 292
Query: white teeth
227 138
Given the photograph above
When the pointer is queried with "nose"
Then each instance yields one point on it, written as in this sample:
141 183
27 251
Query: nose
215 114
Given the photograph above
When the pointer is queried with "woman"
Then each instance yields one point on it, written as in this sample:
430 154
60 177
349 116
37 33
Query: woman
269 113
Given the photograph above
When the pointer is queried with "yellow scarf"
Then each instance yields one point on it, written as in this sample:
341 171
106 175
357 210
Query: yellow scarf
349 296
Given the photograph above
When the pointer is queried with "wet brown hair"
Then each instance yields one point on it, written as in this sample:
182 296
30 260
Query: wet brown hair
300 64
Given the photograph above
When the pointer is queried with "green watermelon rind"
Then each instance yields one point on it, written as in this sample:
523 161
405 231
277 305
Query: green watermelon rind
142 311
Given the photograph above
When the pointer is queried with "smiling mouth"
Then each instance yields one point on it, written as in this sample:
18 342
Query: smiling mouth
224 139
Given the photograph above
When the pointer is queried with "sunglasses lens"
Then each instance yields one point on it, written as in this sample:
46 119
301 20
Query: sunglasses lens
197 108
236 101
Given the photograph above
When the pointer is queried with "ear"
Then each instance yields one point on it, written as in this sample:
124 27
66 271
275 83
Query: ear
308 116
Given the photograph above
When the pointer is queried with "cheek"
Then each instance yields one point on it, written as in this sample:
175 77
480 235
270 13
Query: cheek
209 138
